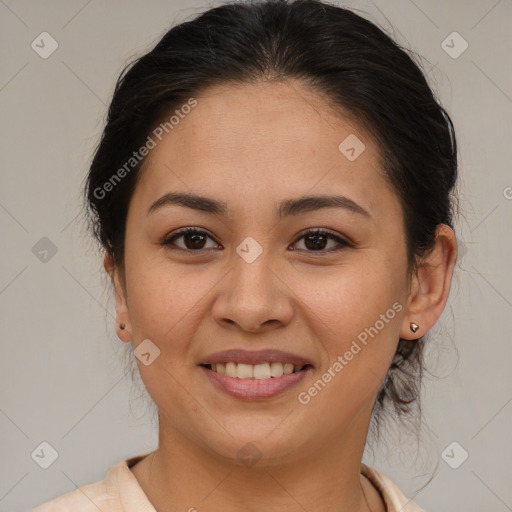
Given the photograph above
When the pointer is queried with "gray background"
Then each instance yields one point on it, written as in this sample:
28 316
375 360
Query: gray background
61 370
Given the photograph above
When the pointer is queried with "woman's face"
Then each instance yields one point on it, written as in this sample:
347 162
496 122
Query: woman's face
255 281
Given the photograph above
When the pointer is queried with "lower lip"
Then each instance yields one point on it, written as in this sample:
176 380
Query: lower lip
255 389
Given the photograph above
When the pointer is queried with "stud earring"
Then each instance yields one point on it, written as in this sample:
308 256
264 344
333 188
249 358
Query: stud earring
122 326
414 327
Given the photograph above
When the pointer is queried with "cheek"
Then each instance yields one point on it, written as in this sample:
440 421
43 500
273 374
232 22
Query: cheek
165 307
350 300
356 314
357 317
163 299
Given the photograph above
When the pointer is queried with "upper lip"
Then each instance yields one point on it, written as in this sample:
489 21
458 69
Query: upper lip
255 357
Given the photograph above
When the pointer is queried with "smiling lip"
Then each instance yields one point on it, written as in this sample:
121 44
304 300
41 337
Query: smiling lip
255 357
255 389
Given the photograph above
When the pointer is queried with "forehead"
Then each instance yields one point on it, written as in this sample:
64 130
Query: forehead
276 139
246 118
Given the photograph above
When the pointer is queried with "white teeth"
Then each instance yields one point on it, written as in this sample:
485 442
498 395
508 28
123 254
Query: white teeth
260 371
287 368
231 369
276 369
245 371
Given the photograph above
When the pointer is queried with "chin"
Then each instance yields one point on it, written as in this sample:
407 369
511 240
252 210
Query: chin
249 446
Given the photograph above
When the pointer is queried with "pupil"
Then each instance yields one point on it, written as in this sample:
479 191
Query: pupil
194 237
315 241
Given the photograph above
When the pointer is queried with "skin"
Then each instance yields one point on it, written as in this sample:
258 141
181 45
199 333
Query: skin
253 146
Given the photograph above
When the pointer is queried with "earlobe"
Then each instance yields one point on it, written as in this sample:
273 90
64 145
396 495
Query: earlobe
123 333
431 286
123 323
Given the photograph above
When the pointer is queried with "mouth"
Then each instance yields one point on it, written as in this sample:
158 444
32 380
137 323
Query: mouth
255 375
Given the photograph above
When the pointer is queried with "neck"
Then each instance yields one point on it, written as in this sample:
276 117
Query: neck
181 475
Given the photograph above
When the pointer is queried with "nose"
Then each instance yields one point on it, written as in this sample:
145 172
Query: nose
254 297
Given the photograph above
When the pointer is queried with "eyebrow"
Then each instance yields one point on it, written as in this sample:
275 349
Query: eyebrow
286 208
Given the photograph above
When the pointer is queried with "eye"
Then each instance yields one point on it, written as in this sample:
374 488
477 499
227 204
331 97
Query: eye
314 240
194 239
317 239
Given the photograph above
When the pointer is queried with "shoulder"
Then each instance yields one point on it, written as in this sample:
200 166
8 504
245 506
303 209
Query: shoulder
119 487
391 494
87 498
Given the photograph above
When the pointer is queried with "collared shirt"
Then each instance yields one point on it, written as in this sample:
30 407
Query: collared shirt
120 491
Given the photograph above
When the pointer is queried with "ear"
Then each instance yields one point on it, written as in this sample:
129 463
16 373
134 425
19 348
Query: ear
430 286
122 313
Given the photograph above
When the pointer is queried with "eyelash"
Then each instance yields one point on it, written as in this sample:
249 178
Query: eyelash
168 241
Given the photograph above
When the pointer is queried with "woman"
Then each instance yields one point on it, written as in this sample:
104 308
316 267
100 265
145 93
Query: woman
273 192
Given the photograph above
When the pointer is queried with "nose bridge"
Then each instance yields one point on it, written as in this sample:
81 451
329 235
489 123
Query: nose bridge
253 294
251 266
